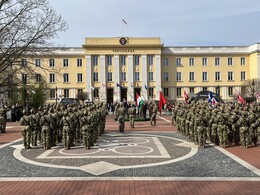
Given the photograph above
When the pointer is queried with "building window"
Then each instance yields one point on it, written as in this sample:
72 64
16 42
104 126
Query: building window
79 78
204 76
24 78
191 61
243 61
149 60
95 76
108 60
79 62
166 92
24 62
51 62
165 76
122 60
150 92
38 78
230 61
230 91
230 76
150 76
165 62
217 76
136 60
109 76
204 61
178 76
52 78
178 61
66 93
94 60
137 76
80 91
204 88
192 76
123 76
65 62
96 93
38 62
243 76
52 94
66 78
192 90
178 92
217 61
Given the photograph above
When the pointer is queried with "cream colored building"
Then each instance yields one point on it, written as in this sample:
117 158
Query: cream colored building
113 69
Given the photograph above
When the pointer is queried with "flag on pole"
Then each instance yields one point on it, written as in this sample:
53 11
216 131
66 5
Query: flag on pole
124 22
162 101
104 85
92 88
212 100
186 97
118 85
139 100
240 99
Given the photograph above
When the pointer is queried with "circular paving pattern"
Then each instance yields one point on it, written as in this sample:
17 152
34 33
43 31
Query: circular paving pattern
108 152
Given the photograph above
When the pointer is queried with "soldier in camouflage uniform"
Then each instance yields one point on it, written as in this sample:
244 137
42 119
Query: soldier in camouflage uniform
154 113
85 130
252 127
141 111
243 130
45 122
2 121
66 130
26 130
121 117
132 112
201 129
35 120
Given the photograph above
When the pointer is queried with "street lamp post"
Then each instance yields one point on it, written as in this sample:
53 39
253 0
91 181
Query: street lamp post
218 88
253 88
56 90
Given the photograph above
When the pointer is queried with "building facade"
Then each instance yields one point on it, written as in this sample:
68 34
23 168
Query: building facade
113 69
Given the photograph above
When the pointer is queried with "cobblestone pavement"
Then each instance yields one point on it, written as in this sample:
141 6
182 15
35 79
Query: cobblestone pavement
146 156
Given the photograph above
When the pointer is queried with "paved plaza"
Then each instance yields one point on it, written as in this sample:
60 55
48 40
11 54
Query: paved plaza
130 163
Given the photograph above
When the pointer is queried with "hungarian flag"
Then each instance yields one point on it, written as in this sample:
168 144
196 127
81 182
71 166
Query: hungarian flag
162 101
139 100
186 97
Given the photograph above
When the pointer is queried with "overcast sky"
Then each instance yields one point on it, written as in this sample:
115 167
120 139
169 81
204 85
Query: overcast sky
176 22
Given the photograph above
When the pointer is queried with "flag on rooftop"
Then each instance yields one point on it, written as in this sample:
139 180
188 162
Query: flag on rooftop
124 21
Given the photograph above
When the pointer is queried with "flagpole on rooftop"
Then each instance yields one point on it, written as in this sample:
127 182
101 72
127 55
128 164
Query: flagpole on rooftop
124 28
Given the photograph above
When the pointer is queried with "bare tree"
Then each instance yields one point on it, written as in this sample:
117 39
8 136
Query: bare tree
250 87
27 27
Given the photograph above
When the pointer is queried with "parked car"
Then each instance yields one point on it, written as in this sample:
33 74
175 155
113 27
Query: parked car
68 101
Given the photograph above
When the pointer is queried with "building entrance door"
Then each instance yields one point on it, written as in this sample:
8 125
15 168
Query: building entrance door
123 94
110 95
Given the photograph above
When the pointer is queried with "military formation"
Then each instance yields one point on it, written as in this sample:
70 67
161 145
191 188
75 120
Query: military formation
232 124
67 125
